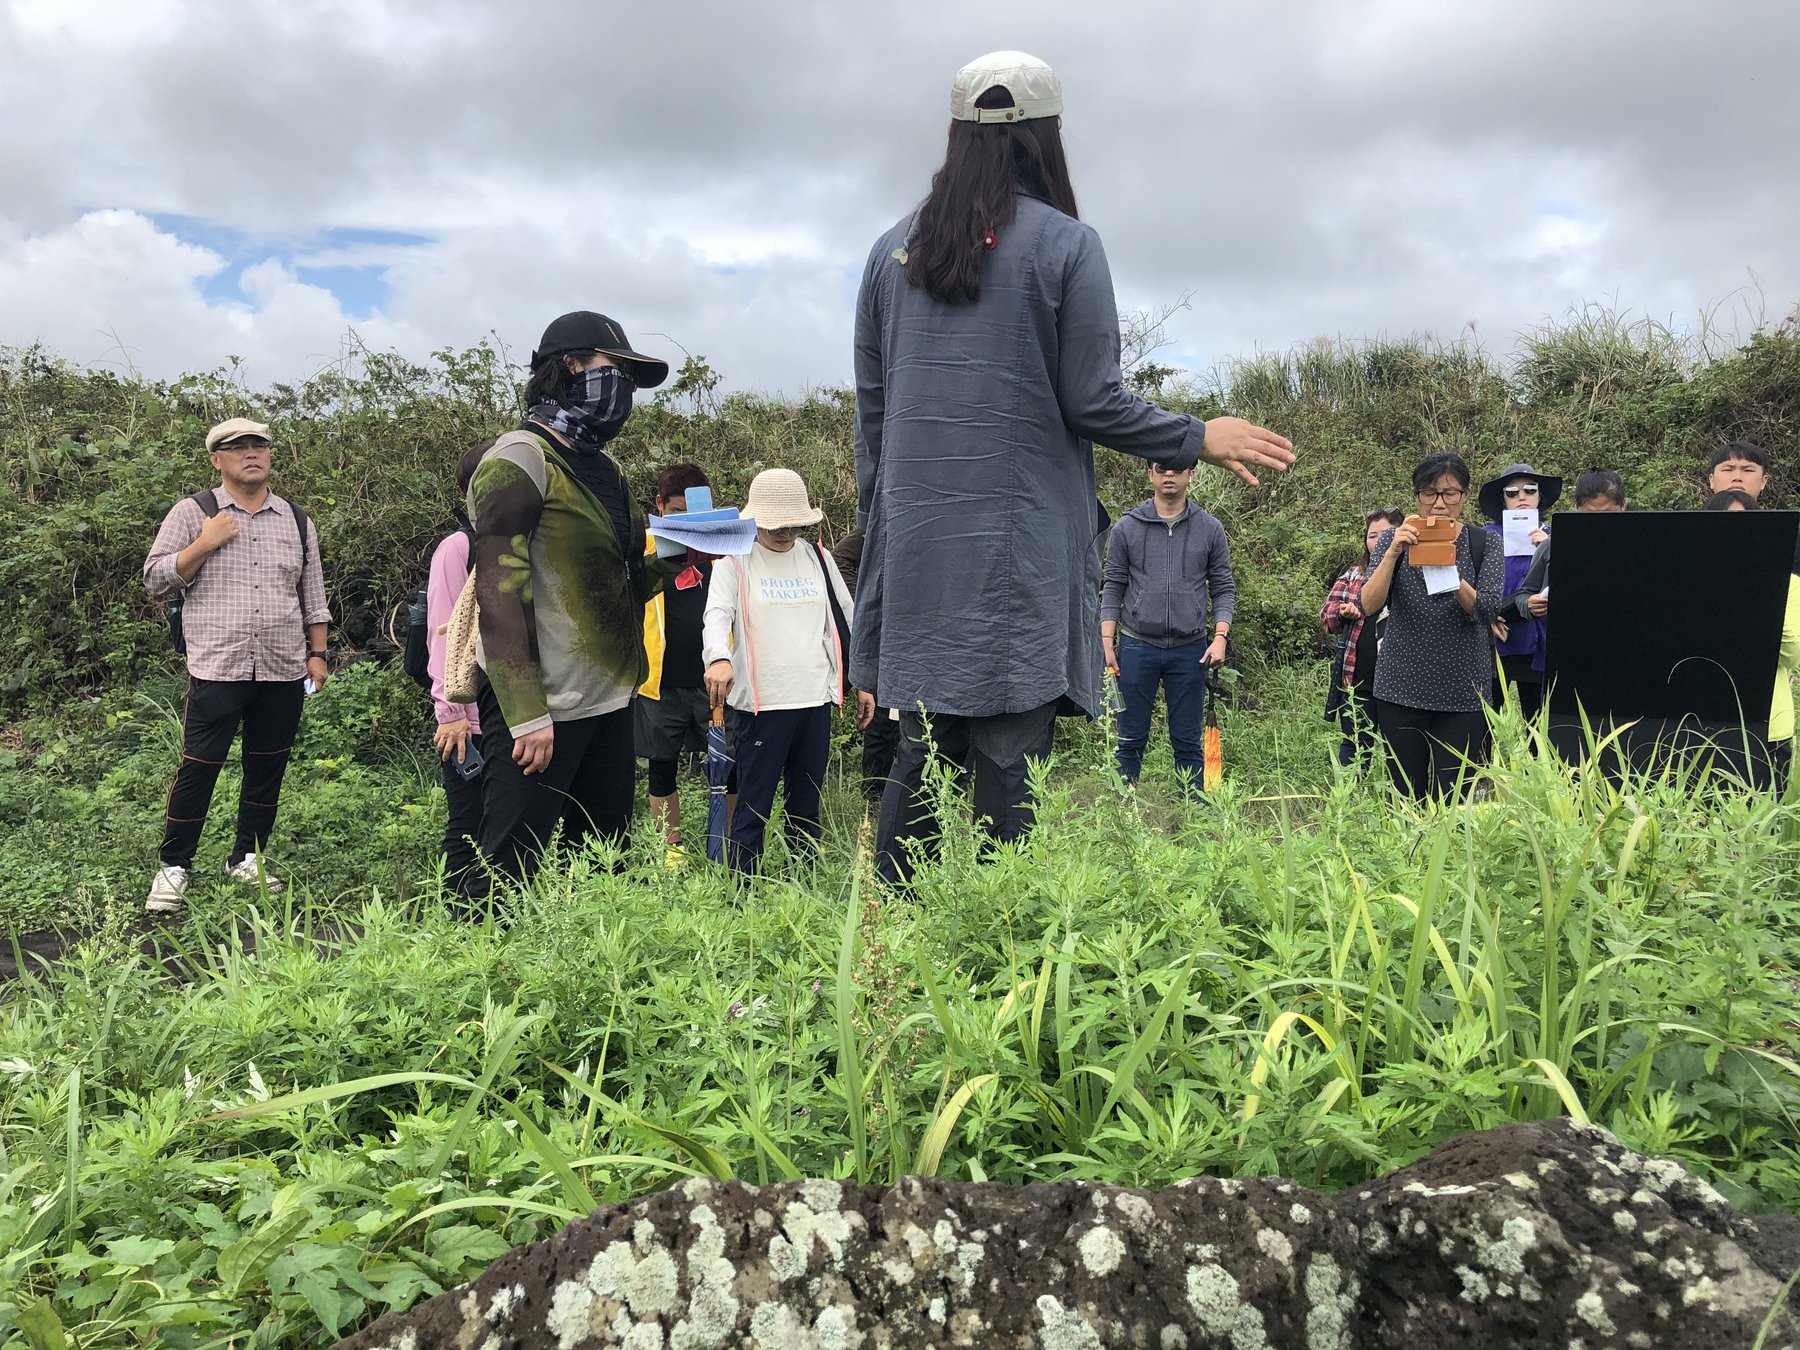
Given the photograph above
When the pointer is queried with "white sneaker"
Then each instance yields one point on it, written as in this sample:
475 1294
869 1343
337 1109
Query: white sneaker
168 891
249 868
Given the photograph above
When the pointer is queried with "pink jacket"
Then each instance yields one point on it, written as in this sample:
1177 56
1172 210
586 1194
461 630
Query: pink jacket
449 570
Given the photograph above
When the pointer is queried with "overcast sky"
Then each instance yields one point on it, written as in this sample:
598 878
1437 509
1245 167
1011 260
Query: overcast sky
183 181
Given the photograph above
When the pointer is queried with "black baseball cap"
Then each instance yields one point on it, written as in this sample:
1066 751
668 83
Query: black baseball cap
583 330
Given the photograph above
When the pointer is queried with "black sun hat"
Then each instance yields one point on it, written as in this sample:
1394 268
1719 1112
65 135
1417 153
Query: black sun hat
583 330
1493 504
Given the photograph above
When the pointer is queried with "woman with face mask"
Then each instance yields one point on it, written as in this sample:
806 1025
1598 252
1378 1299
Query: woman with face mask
562 578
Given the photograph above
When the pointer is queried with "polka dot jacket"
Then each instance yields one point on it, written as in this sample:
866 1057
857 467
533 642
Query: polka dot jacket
1434 655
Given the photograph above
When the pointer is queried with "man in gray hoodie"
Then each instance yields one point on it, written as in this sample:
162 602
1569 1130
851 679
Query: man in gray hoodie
1166 559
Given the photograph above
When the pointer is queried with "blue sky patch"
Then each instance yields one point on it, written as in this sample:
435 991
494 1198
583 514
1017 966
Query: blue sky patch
350 263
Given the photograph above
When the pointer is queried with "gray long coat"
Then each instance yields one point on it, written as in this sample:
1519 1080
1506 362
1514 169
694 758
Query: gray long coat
975 426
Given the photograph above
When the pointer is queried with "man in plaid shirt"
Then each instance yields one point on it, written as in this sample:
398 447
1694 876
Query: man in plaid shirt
254 616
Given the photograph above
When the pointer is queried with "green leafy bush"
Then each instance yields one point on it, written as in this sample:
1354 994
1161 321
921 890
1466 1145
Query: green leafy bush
90 461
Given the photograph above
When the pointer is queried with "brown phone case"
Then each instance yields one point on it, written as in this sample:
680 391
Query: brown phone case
1437 542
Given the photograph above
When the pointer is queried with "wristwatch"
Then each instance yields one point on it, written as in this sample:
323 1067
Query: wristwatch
323 654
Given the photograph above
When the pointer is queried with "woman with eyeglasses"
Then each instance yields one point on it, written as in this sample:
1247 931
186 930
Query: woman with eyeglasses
1351 700
1437 655
1522 645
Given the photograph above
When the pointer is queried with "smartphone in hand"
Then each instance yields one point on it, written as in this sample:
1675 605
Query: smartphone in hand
468 768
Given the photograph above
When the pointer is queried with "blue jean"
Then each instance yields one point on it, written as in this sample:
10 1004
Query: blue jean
1182 672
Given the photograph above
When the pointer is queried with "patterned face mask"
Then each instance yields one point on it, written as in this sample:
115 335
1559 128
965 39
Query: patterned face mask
594 408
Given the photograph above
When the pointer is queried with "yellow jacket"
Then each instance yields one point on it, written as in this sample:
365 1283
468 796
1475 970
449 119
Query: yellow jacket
1781 709
655 637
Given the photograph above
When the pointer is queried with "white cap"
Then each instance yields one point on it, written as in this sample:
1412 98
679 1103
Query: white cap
235 428
1035 90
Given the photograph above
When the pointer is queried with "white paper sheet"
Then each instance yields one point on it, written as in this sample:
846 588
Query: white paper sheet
1440 579
1517 526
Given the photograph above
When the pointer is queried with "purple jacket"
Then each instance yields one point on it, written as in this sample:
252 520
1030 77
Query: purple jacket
1525 635
1160 573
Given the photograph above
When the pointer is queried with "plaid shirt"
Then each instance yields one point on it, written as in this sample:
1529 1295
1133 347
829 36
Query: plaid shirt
246 611
1346 590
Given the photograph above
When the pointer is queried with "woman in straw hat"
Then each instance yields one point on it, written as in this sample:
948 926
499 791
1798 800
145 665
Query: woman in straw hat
987 363
777 621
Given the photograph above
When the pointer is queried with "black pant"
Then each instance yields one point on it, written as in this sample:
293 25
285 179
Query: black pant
788 746
1781 760
1356 725
996 750
462 798
269 711
881 740
1427 749
1527 685
589 787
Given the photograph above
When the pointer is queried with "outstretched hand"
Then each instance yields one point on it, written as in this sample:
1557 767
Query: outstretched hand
1235 444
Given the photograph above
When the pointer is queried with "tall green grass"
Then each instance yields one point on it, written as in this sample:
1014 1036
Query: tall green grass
346 1103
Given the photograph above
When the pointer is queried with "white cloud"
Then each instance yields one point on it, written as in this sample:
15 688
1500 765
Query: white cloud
715 172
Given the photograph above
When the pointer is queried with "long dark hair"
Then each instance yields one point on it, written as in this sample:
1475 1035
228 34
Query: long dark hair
549 379
986 167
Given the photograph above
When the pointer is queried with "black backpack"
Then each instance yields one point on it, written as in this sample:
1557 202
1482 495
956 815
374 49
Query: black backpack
415 652
208 502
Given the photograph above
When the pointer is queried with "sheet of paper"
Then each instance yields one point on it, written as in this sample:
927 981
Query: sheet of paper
1517 526
1440 579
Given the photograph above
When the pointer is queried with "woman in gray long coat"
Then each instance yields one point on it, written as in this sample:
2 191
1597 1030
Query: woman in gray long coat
987 364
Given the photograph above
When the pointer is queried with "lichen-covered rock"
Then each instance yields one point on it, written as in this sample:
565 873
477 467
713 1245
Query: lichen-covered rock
1548 1234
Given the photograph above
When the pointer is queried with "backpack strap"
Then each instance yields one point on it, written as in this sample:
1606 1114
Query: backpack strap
207 501
1478 546
840 627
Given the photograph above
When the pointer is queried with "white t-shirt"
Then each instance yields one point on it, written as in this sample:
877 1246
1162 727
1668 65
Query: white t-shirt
790 653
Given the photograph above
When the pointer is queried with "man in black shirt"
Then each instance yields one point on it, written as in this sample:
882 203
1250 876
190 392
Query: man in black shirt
672 706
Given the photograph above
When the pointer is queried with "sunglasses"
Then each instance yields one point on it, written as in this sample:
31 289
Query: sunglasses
1164 468
1520 491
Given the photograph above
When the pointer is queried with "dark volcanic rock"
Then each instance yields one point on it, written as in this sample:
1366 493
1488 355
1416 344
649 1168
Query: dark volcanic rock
1548 1234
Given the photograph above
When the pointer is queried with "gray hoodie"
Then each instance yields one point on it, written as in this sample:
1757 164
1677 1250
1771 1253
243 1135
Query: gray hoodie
1159 573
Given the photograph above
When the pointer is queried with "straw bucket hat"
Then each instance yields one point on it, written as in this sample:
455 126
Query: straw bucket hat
777 500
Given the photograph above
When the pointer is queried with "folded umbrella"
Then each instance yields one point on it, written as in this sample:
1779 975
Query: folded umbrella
719 764
1213 752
